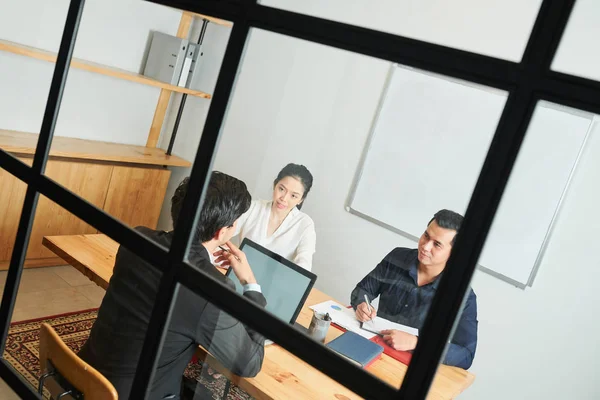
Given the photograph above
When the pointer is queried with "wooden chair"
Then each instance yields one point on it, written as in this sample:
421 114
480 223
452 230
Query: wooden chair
72 376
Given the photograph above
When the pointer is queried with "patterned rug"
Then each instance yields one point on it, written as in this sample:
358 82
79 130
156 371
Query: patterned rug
22 350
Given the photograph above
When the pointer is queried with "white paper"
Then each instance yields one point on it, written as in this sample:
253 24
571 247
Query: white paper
342 316
380 324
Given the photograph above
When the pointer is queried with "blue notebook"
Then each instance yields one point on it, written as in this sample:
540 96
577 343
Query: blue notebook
356 348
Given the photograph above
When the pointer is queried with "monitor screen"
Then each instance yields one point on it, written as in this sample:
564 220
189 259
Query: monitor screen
284 284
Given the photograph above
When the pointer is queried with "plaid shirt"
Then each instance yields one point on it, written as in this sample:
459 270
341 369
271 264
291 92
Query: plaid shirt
403 301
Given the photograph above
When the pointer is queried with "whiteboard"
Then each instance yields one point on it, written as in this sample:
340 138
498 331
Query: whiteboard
427 146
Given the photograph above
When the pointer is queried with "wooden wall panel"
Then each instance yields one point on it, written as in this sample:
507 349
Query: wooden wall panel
132 194
135 195
90 181
11 203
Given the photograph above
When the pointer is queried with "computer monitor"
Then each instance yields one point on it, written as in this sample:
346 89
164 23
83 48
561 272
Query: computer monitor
284 284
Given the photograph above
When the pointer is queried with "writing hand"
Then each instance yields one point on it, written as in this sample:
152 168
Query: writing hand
363 314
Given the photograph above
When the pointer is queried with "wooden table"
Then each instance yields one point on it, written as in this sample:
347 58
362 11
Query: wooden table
283 375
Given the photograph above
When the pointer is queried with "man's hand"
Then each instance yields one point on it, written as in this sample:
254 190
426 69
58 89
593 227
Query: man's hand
363 314
399 340
236 259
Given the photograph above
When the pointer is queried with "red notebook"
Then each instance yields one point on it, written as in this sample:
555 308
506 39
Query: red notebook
402 356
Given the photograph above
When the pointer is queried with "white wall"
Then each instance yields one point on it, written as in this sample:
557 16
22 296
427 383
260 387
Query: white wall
300 102
95 107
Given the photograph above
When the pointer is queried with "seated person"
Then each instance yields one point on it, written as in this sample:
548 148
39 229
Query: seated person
406 281
117 337
278 224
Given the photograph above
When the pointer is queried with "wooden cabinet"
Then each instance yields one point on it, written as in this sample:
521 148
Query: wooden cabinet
129 192
132 194
128 182
89 181
12 195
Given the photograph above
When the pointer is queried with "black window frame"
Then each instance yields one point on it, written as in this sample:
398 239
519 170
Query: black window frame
527 82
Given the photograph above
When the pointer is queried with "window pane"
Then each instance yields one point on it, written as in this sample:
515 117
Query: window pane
513 321
382 148
65 284
231 353
495 28
51 290
375 185
574 55
24 77
111 110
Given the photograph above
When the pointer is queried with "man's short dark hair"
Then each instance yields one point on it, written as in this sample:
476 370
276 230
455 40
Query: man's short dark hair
227 198
448 219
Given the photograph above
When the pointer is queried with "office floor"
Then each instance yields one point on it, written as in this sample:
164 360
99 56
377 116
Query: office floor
49 291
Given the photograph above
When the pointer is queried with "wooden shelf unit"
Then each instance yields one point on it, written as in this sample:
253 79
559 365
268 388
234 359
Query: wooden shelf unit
89 66
22 143
44 55
217 21
126 181
166 91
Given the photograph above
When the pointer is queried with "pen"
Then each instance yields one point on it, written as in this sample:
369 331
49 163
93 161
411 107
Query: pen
368 304
228 251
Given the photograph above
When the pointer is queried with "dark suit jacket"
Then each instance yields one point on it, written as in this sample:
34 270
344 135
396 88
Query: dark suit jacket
117 337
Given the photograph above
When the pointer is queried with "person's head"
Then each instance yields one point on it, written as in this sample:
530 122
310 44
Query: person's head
436 242
291 187
227 198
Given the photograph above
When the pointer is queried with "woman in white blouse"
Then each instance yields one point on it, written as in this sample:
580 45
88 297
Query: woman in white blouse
278 224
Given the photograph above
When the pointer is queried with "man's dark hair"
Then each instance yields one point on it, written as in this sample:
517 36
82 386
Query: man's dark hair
448 220
299 172
227 198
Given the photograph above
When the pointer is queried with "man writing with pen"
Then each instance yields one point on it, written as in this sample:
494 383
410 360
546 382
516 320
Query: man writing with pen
406 281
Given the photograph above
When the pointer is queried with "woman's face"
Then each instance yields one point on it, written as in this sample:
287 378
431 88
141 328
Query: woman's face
287 193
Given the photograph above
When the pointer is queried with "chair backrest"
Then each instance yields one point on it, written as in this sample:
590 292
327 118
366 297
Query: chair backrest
77 372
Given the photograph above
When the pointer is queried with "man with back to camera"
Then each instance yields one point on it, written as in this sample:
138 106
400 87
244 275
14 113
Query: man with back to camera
117 337
407 280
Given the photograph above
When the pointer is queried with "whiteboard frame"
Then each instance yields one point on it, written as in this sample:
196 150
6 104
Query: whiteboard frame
547 236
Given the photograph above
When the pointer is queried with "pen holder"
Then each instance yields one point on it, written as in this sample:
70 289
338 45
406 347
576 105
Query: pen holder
319 325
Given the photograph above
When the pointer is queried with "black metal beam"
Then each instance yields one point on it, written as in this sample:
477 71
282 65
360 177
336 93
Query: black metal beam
185 226
16 381
57 86
16 167
503 151
570 91
530 76
444 60
448 301
527 81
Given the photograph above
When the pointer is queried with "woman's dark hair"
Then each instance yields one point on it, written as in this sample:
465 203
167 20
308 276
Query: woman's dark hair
299 172
227 198
448 219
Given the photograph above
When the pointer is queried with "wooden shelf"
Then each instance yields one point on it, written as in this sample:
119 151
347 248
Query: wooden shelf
211 19
22 143
49 56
